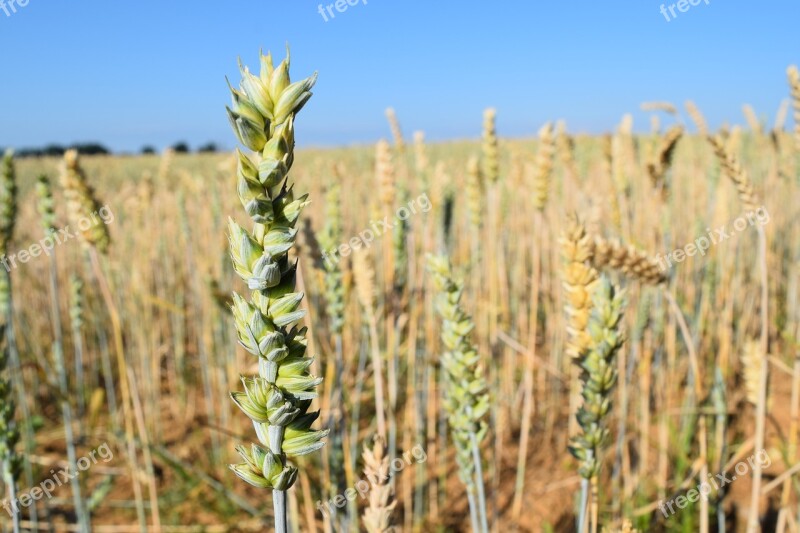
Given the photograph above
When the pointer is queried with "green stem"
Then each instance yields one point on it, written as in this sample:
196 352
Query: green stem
476 457
11 486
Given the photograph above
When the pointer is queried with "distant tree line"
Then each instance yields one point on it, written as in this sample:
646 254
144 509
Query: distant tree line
58 150
93 148
183 148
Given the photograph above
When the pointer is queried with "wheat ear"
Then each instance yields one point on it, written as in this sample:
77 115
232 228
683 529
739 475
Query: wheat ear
82 203
491 158
381 503
627 259
662 160
599 375
578 279
697 117
794 86
544 166
277 400
397 132
733 169
466 396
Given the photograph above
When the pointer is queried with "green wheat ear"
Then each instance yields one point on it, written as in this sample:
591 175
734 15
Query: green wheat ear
466 393
8 216
278 398
329 238
8 200
598 361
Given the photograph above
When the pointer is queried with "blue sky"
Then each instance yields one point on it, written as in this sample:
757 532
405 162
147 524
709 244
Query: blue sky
130 73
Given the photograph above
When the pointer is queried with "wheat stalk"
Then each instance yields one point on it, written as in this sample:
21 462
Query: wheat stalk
364 275
10 462
277 400
45 207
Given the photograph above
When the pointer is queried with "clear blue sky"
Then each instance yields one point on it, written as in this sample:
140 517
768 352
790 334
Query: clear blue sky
128 73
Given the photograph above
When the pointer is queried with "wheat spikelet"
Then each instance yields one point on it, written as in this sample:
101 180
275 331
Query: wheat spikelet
697 117
474 192
544 166
82 203
8 201
752 358
662 159
666 107
733 142
397 133
794 85
381 503
420 153
752 119
623 154
145 190
733 169
781 115
329 239
45 204
626 259
364 276
491 161
10 460
384 171
565 145
655 124
578 279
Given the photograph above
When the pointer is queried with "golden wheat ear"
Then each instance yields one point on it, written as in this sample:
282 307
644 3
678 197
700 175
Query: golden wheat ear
378 516
733 169
627 259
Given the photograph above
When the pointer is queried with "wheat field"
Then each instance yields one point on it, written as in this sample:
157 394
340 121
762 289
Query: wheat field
464 302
